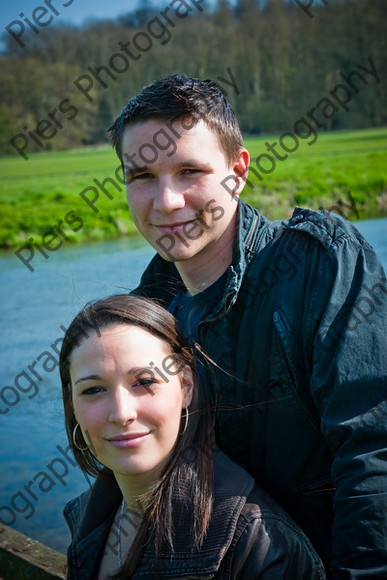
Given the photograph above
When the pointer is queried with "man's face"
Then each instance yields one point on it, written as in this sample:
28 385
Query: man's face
174 191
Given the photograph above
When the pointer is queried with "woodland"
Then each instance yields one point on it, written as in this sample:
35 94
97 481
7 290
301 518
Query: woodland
283 61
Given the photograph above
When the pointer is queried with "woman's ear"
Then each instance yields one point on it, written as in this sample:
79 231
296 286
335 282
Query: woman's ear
187 383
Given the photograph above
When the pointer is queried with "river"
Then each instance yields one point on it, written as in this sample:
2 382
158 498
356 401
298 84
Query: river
38 478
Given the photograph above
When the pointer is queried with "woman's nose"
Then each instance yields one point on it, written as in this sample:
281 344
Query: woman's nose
123 407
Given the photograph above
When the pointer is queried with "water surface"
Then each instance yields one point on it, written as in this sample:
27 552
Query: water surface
34 306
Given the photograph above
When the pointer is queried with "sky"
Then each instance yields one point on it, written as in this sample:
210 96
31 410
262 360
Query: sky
76 12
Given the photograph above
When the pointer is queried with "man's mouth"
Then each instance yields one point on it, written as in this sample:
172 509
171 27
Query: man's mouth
174 227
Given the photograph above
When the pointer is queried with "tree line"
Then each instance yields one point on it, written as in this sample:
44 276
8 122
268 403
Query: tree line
283 62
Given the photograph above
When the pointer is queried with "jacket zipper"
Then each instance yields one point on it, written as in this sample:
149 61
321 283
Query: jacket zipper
290 360
324 486
252 232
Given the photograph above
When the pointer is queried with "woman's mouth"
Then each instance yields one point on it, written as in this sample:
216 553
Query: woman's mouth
127 440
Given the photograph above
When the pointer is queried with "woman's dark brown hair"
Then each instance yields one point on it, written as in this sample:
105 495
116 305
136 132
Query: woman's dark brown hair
191 458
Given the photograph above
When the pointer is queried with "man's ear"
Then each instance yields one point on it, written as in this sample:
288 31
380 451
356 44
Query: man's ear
241 170
187 383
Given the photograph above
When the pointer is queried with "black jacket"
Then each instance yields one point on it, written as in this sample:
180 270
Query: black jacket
249 537
300 334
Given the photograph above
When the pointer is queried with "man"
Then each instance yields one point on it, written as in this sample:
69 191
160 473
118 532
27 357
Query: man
289 313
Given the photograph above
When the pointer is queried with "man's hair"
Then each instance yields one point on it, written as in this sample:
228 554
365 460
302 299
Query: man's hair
179 97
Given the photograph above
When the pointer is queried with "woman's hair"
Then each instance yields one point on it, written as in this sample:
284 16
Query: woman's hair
191 459
179 97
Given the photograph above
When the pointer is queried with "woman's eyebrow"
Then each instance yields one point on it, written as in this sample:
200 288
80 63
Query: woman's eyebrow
137 370
88 378
131 371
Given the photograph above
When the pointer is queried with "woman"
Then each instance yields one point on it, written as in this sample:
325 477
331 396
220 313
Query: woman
164 504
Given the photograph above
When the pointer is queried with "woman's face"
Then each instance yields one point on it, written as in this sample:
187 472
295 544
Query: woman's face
128 394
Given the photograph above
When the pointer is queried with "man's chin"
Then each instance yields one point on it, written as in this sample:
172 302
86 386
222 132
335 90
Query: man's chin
174 254
172 257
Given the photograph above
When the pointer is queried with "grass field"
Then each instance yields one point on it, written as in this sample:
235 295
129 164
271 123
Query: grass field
36 194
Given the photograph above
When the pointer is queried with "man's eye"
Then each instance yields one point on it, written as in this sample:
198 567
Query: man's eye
131 178
143 176
192 171
145 382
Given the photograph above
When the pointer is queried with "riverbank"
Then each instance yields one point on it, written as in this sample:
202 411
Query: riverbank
22 557
77 195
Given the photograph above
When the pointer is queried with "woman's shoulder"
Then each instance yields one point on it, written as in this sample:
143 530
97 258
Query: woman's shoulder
267 541
75 508
265 538
94 505
232 482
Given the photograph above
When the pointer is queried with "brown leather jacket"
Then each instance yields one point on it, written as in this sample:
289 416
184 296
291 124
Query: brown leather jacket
249 537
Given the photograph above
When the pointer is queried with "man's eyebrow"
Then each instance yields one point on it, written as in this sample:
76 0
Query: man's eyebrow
193 164
132 171
187 164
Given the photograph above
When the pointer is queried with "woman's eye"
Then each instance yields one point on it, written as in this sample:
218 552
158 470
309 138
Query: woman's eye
92 391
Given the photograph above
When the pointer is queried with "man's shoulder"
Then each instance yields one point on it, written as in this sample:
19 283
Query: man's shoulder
327 228
318 226
307 229
310 245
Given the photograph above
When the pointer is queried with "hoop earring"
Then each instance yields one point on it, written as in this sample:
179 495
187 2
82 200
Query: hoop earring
74 441
186 421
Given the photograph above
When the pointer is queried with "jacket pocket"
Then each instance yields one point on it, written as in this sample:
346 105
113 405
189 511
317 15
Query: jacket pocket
293 376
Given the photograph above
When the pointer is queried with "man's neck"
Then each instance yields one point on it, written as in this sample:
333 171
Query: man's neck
195 284
201 271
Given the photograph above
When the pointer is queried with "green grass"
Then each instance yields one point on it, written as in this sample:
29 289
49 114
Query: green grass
36 194
321 174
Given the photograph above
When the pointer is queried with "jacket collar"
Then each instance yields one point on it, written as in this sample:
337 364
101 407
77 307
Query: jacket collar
232 485
89 518
161 279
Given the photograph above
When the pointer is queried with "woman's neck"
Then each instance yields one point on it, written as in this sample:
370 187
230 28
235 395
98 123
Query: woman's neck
133 487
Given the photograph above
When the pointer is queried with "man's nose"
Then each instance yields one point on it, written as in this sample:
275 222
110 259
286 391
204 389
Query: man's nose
168 199
123 406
